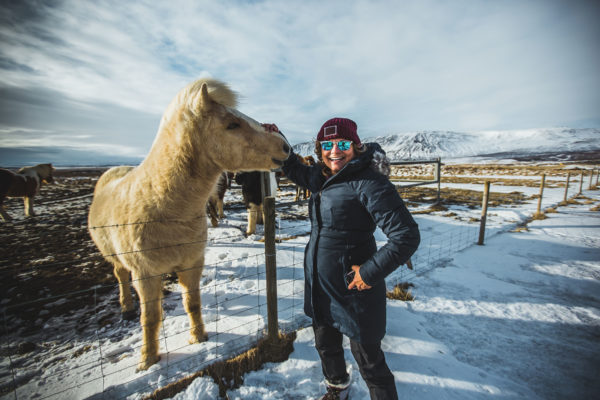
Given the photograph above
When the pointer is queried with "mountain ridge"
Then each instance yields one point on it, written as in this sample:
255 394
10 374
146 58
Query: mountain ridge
555 144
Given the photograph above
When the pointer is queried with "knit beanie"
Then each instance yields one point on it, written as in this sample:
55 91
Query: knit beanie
339 128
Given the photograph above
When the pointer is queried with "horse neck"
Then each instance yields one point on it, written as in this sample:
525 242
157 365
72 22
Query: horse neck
32 173
173 167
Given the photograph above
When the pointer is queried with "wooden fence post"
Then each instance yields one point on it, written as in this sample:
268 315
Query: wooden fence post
591 179
597 173
484 205
567 187
271 268
539 207
580 183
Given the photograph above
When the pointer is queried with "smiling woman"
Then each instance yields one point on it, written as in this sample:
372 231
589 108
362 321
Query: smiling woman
344 272
337 144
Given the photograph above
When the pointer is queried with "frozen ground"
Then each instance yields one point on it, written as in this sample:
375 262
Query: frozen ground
517 318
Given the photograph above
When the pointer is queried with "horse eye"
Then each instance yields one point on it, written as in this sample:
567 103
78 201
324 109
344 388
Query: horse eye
233 125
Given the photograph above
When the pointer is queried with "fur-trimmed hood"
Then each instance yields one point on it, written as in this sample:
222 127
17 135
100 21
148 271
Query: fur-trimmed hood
374 157
379 161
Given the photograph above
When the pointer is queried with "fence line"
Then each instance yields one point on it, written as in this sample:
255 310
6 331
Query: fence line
435 250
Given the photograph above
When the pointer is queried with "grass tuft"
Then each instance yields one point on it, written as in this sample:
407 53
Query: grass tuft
401 292
229 374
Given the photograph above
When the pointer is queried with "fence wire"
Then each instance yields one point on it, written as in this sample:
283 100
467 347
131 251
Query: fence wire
234 310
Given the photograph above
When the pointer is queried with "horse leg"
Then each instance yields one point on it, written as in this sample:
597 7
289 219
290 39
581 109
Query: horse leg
28 202
190 284
220 208
149 290
253 210
3 213
261 215
122 274
212 212
297 193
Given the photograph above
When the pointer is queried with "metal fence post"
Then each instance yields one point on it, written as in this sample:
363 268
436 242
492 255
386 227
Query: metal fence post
271 268
438 177
484 205
539 207
567 187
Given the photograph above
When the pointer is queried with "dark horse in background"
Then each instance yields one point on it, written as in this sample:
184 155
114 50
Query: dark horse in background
25 183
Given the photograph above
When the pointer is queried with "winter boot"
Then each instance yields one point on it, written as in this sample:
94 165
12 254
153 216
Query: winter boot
334 393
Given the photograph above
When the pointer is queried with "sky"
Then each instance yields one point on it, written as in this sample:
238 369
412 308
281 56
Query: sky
94 77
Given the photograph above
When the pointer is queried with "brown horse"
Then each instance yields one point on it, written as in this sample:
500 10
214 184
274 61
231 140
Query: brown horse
150 220
25 183
214 207
300 191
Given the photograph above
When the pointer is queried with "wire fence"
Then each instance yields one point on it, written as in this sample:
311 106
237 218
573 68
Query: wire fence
78 334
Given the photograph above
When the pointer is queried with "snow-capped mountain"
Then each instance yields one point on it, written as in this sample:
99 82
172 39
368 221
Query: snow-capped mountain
550 144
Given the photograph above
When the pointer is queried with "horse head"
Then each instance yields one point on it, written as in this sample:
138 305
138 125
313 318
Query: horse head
207 125
45 172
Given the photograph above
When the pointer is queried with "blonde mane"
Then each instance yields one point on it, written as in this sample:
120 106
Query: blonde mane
189 96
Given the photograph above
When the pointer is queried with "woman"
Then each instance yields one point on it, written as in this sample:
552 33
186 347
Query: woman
344 272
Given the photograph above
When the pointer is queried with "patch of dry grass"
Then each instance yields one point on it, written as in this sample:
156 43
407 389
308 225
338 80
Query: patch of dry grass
229 374
451 196
539 216
595 208
401 292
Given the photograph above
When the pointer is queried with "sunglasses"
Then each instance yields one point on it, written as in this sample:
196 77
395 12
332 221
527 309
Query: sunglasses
343 145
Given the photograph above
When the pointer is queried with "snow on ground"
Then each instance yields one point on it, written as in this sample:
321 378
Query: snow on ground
517 318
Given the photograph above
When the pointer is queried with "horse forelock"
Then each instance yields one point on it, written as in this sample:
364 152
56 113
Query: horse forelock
218 91
188 97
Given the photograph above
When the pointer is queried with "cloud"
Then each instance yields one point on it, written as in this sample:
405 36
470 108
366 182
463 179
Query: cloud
391 66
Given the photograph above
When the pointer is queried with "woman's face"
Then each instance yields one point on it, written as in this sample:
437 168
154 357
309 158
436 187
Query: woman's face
335 158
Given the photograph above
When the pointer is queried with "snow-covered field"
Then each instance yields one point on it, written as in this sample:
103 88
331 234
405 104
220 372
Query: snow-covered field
517 318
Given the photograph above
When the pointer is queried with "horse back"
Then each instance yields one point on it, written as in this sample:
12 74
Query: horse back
16 185
112 175
251 186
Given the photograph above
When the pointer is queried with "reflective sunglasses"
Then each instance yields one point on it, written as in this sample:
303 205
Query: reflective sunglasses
343 145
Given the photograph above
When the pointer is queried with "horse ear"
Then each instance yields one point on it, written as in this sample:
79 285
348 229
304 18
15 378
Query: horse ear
205 100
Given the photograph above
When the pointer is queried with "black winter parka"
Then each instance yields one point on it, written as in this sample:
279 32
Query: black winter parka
344 211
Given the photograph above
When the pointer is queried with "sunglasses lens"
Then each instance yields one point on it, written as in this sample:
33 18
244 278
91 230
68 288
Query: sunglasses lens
327 146
344 145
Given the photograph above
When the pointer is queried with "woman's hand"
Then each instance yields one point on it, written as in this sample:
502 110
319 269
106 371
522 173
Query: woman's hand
357 282
271 127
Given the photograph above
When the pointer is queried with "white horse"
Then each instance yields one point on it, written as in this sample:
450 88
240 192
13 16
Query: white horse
150 220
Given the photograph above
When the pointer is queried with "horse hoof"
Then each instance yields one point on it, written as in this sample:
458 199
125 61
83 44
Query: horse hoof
198 338
145 364
128 315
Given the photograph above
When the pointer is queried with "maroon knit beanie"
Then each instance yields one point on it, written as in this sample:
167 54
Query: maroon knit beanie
339 128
